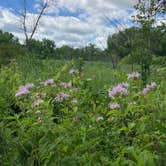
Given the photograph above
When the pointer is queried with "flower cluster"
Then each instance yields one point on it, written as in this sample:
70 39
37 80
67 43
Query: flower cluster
73 71
134 75
120 89
29 86
48 82
24 90
148 87
124 85
61 96
114 106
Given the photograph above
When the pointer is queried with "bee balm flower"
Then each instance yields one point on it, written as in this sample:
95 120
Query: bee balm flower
29 86
48 82
61 96
24 90
120 89
114 106
148 87
134 75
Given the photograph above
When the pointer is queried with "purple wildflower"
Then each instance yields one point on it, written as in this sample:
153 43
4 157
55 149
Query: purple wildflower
61 96
48 82
22 92
29 86
148 87
145 90
120 89
134 75
124 84
114 106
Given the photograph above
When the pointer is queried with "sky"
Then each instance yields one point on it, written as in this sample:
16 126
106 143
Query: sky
70 22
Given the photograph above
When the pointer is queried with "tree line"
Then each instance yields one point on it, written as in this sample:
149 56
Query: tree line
119 45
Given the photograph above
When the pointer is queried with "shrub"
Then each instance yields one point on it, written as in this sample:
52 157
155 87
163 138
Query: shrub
66 121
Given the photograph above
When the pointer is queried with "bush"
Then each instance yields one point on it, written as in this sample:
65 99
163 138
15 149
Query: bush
8 52
64 120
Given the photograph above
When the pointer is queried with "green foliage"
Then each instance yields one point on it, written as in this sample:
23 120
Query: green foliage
80 129
119 45
159 61
9 48
43 49
8 52
7 38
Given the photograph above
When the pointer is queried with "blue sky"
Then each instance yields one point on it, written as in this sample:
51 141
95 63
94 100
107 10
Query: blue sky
17 4
72 22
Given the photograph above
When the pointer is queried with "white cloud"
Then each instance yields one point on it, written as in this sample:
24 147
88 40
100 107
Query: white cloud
10 23
96 5
89 26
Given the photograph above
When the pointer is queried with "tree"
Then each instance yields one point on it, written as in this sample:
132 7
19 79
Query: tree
9 47
147 10
48 47
158 36
42 49
24 14
113 49
7 38
120 42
